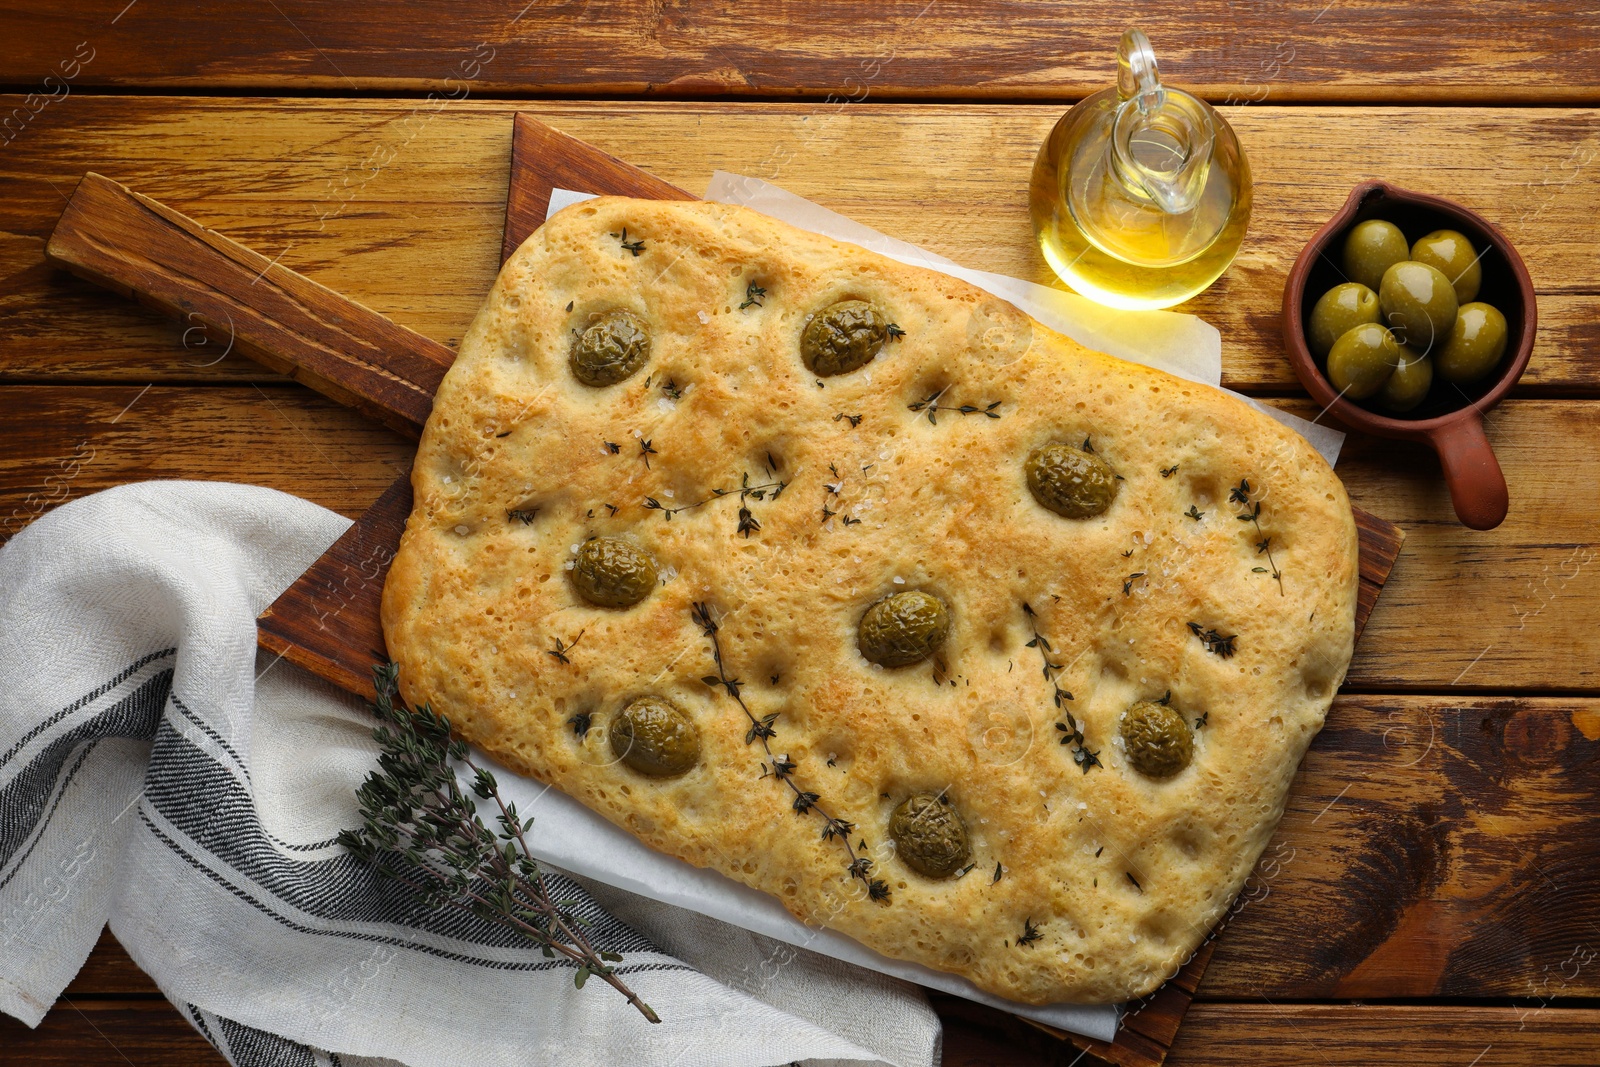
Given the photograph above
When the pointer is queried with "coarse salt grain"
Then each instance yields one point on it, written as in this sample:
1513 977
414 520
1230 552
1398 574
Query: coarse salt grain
899 581
462 530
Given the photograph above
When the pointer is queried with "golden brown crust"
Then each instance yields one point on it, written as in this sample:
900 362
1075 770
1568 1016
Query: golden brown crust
1121 875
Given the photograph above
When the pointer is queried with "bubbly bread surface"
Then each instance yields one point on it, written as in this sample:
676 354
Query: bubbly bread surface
1086 879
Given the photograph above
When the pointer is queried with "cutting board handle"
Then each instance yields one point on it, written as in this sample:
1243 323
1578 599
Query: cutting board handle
136 246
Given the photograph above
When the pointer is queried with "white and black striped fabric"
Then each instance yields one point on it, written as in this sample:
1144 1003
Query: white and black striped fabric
159 774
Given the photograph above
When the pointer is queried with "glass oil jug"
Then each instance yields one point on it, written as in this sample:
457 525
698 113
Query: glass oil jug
1141 194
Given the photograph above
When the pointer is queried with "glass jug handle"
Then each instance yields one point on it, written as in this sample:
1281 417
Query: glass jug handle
1138 77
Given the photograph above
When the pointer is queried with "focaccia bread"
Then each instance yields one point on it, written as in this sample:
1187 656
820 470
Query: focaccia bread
683 458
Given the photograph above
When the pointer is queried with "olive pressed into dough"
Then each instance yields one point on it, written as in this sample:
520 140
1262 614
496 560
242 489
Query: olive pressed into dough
903 628
610 349
612 573
843 337
929 836
1157 739
655 737
1071 482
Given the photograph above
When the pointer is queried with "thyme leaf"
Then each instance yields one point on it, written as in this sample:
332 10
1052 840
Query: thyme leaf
1195 513
752 296
1167 472
559 650
1030 934
635 246
522 515
1214 641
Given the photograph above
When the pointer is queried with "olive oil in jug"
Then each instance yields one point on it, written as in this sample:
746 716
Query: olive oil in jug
1141 194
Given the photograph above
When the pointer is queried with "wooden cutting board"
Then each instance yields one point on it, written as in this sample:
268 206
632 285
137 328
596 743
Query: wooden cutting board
328 620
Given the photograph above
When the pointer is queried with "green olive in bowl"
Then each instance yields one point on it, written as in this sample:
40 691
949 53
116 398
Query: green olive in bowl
1361 361
1418 303
1371 248
1455 258
1475 345
1340 310
1409 384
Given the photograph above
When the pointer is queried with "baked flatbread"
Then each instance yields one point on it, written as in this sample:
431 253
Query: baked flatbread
778 503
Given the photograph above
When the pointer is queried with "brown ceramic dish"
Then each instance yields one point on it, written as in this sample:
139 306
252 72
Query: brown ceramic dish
1450 420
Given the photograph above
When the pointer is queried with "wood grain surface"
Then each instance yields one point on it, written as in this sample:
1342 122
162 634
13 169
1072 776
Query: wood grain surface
398 204
1436 856
1371 51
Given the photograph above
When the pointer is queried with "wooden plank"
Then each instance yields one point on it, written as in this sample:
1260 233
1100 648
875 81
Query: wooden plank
1317 1035
1379 51
133 245
80 1032
109 972
400 206
1432 846
63 443
1511 608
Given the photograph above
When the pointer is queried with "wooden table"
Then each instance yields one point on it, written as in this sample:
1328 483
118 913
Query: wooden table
1433 894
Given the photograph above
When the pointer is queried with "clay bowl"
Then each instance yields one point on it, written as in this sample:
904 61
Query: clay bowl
1450 420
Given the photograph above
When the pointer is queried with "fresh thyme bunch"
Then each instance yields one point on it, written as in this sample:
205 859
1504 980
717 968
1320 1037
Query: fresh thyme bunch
421 830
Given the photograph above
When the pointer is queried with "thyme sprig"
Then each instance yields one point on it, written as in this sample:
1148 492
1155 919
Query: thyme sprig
646 450
1214 641
421 830
1030 933
746 492
752 296
1071 733
1167 472
522 515
1195 513
1240 494
805 801
932 406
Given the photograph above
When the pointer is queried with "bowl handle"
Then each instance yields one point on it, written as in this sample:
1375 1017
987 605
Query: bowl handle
1477 487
